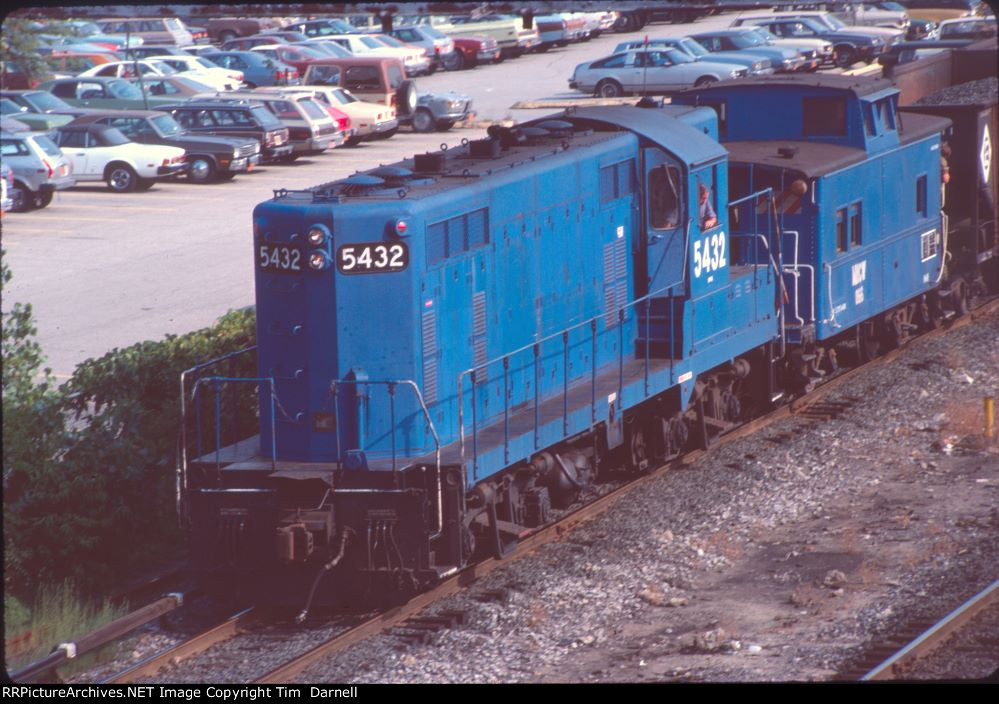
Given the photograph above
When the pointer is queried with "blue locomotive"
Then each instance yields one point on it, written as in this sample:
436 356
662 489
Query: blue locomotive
452 346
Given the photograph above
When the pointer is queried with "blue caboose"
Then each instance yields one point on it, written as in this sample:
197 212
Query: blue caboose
450 345
858 200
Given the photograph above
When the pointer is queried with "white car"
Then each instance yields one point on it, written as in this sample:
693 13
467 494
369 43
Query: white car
368 44
203 71
103 153
126 69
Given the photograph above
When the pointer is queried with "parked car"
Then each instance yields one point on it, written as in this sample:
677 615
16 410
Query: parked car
311 129
383 80
152 30
755 65
298 56
176 87
39 167
321 27
939 10
439 47
369 120
153 50
247 43
102 92
203 70
12 124
6 187
234 117
35 121
816 52
328 48
876 14
209 158
127 69
472 50
849 47
258 70
783 59
968 28
13 77
41 101
508 31
414 58
648 71
286 34
222 29
90 32
71 63
103 153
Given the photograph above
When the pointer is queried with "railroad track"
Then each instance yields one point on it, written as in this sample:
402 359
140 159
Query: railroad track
900 662
405 620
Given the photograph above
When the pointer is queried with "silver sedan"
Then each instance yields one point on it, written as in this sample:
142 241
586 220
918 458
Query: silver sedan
648 71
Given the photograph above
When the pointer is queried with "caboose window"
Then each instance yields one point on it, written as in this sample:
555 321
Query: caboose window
823 117
856 224
921 196
841 230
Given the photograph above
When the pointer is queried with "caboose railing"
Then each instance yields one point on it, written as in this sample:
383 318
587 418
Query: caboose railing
668 292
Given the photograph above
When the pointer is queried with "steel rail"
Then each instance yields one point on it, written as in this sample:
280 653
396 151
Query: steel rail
199 643
895 667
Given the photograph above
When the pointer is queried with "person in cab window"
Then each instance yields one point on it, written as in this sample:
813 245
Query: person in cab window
705 211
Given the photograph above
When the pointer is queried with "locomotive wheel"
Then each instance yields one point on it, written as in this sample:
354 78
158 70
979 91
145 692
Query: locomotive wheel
639 461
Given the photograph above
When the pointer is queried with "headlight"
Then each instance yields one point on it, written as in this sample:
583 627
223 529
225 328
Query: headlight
758 66
455 104
318 261
235 153
316 236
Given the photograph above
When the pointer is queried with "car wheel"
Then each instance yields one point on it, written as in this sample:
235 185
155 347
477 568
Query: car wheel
405 98
609 89
202 169
121 178
444 125
423 121
455 61
846 56
44 198
705 80
21 198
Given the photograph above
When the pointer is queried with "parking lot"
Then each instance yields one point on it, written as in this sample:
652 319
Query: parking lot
106 270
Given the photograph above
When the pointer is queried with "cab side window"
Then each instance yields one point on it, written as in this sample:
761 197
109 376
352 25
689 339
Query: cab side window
664 197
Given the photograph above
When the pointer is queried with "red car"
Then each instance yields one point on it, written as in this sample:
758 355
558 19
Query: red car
474 50
298 56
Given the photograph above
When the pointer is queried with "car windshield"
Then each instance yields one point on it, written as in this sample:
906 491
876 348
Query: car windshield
9 107
692 47
433 32
894 6
193 85
204 63
313 109
265 117
165 125
164 68
814 24
833 21
124 90
113 137
390 41
47 145
371 43
744 39
43 101
677 56
309 51
765 33
86 28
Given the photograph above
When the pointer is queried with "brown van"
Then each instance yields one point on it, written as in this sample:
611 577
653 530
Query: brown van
376 79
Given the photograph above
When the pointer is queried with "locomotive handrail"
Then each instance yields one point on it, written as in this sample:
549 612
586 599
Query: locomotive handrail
181 487
217 381
391 383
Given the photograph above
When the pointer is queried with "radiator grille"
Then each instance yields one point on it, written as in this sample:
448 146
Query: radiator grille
429 339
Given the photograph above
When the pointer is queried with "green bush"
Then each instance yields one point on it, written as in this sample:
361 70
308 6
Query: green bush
89 469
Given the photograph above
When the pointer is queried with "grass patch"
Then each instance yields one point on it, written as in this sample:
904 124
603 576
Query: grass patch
60 614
